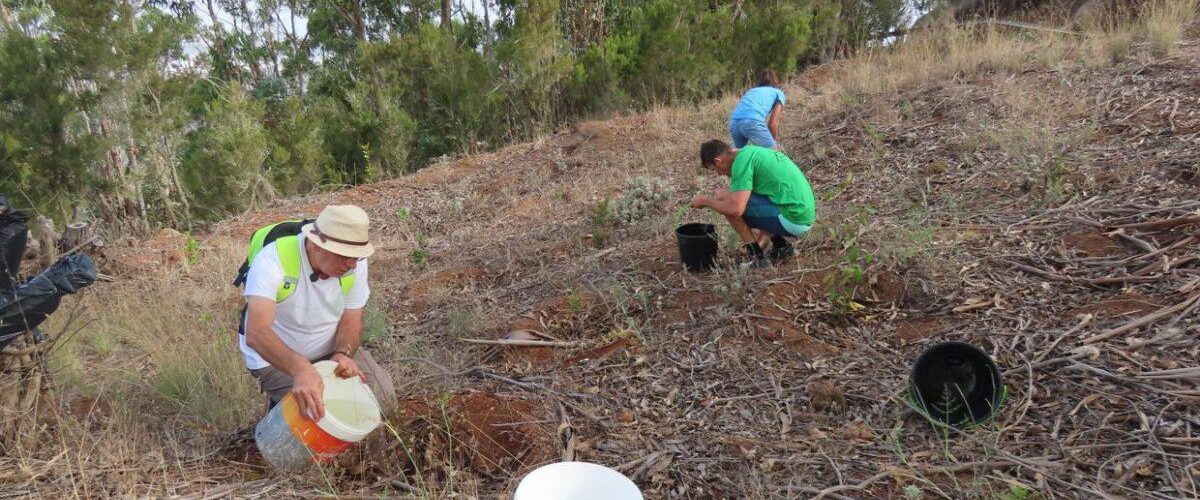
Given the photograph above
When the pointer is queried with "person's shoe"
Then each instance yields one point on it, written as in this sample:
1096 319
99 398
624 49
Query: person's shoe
751 256
781 249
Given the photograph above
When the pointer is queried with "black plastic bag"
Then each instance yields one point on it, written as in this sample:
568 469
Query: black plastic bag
28 306
14 234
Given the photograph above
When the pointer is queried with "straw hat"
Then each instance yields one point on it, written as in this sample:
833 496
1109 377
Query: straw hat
341 229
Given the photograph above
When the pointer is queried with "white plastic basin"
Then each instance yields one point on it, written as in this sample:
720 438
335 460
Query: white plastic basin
576 481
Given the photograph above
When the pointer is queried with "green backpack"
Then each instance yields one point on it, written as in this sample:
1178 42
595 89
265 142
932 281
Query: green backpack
286 236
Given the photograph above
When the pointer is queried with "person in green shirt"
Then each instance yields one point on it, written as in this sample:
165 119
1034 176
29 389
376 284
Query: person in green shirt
768 199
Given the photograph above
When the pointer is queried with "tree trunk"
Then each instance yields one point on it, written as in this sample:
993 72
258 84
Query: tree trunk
6 16
487 26
47 239
250 22
446 17
75 236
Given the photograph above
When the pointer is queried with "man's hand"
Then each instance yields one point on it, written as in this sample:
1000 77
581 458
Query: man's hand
699 202
309 391
346 367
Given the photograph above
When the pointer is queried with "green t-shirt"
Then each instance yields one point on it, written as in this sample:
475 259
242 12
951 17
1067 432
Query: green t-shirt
769 173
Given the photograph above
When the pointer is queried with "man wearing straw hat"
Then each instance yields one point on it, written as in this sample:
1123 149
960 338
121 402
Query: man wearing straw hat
305 296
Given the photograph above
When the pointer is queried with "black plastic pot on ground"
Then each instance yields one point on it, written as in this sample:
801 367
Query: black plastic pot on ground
697 245
957 384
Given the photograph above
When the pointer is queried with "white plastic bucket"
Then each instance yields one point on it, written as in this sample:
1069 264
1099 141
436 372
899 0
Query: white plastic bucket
576 481
289 440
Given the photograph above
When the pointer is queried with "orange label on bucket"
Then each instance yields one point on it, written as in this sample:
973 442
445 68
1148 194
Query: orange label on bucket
323 446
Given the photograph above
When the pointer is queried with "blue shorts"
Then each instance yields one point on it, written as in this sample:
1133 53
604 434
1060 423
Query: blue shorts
755 132
766 216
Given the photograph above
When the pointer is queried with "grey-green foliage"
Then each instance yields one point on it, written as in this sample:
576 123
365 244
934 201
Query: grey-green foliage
104 106
223 167
642 197
297 158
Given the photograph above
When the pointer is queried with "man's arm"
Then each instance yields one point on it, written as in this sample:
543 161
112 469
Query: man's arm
306 383
732 204
775 120
347 341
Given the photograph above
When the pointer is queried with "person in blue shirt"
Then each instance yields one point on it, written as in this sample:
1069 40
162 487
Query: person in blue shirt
756 118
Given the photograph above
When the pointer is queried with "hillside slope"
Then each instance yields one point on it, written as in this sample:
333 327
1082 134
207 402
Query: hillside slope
1034 205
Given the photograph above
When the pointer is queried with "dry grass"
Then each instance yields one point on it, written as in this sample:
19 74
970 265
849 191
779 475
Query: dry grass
969 50
1164 22
934 55
160 345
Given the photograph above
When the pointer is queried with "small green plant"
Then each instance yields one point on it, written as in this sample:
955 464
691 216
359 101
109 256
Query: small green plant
102 342
913 492
402 214
463 322
877 139
602 213
843 283
192 250
734 289
1047 179
835 191
1016 493
420 255
374 324
678 218
574 301
852 266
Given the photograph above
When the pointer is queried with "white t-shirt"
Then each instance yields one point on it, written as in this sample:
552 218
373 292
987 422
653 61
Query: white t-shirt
307 321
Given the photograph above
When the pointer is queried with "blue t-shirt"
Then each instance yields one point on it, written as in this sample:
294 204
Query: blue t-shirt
758 103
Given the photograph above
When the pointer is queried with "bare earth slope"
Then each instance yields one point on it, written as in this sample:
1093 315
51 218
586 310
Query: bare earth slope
1049 217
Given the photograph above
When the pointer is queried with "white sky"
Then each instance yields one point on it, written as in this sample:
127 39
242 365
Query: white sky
200 8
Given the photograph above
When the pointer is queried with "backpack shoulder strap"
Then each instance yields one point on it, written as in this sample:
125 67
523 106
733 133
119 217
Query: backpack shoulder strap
264 236
289 258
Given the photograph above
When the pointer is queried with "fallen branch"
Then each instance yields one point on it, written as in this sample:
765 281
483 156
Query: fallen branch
523 343
1163 224
1176 373
1143 321
1087 318
1087 281
860 486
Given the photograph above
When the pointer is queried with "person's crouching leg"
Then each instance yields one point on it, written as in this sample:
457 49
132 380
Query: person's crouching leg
378 379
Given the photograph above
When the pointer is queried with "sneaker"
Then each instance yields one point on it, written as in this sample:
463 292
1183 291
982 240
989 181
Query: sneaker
782 253
751 256
781 249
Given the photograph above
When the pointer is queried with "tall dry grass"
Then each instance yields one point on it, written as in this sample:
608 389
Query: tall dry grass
162 345
948 51
934 55
1163 22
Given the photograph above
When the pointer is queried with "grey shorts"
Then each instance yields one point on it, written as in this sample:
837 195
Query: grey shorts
276 383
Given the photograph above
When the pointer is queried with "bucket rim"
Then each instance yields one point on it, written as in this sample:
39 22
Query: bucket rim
708 228
362 393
